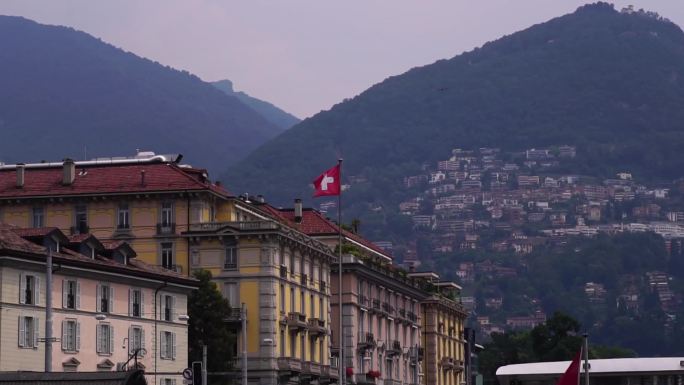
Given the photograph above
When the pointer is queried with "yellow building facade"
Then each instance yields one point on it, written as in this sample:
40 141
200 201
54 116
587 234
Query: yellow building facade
280 277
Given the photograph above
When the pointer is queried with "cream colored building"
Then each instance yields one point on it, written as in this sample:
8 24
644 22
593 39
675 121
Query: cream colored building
106 305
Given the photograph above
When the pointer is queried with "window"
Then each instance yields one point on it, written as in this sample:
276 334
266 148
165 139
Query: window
282 298
136 340
168 345
301 302
105 298
28 332
320 309
302 344
81 219
135 303
38 217
71 339
168 381
233 294
282 342
292 300
313 307
105 338
71 294
29 289
167 255
168 305
166 219
123 217
231 261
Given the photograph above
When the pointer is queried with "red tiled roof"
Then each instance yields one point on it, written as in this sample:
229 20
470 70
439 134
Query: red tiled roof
10 240
315 224
78 238
33 232
122 178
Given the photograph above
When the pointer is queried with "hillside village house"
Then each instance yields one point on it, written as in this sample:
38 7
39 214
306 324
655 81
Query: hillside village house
106 305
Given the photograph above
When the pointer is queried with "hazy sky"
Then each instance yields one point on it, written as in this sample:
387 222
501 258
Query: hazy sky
303 55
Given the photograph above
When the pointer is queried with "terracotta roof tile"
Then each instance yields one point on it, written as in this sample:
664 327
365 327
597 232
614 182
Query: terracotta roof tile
315 224
123 178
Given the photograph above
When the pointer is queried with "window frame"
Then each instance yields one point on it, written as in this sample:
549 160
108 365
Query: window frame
123 216
164 248
231 258
37 212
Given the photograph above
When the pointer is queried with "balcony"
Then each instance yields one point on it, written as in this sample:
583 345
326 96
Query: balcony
366 341
234 316
393 348
289 364
402 313
412 316
376 304
459 366
312 368
416 354
389 381
283 271
243 226
166 228
323 286
447 363
385 307
363 300
296 321
364 379
317 326
305 279
334 369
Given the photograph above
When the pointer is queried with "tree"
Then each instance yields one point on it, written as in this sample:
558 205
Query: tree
208 311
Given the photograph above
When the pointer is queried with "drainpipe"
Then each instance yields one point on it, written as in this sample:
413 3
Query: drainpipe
187 224
156 341
48 311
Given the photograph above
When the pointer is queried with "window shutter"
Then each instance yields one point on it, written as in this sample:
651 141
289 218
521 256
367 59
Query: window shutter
163 344
163 306
22 331
78 295
130 339
64 335
142 341
173 307
22 288
98 337
111 299
130 302
65 287
78 336
142 303
111 339
98 300
36 331
36 291
173 347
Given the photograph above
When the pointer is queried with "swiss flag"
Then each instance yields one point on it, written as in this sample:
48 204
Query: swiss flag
571 375
328 183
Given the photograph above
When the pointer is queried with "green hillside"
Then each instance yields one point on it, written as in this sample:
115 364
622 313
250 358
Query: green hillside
64 93
608 82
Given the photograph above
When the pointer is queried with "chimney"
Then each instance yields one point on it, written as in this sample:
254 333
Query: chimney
142 178
69 172
260 198
21 173
298 210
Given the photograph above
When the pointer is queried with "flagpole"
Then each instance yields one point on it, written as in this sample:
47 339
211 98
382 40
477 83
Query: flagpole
342 363
586 358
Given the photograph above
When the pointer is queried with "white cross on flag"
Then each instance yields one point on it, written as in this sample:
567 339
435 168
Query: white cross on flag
328 183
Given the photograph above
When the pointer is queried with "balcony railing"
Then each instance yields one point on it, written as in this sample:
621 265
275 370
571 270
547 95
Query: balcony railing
364 379
323 286
296 321
363 300
312 368
402 312
289 364
366 341
447 363
244 226
412 316
393 348
234 316
166 228
283 271
317 326
416 354
304 279
376 304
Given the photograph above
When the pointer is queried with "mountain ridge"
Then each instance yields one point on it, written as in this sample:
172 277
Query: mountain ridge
269 111
607 76
94 95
